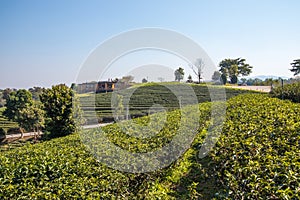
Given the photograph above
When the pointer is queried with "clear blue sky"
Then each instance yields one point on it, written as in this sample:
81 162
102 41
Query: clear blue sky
44 42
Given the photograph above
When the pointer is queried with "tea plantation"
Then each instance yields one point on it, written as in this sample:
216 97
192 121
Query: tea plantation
5 123
256 157
144 96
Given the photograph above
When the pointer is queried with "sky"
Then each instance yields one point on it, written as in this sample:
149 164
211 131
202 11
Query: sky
43 43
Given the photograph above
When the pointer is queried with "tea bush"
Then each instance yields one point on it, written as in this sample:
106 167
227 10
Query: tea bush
288 91
258 155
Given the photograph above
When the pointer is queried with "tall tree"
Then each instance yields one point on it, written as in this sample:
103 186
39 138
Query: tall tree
16 103
62 110
232 68
179 74
198 68
295 67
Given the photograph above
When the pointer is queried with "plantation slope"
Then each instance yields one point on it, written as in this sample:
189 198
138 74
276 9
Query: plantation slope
142 97
258 154
256 157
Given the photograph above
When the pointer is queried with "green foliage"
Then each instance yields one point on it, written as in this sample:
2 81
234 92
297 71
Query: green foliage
295 67
17 107
257 156
144 96
36 92
6 123
234 67
34 117
233 79
63 168
289 91
62 118
179 74
224 79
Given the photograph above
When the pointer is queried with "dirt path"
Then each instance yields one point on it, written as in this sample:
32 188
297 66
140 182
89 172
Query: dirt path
256 88
31 134
18 135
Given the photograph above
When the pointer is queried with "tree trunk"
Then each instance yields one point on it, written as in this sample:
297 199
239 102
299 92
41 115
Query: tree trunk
22 134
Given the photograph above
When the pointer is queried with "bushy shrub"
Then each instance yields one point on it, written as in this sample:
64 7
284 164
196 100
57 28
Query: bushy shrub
288 91
257 156
63 115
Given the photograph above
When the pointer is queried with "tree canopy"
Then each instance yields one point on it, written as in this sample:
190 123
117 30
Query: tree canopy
232 68
179 74
21 108
63 117
295 67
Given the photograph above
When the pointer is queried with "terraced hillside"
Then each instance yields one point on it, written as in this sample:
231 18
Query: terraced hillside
144 96
5 123
256 157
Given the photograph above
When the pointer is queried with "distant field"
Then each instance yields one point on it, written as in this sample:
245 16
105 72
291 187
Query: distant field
144 96
5 123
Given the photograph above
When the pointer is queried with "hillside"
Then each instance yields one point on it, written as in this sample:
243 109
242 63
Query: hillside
256 157
142 97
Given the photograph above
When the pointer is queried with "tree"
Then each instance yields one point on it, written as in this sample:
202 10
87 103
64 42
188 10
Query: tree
62 110
144 80
189 79
216 76
34 117
243 80
35 92
74 87
6 93
232 68
223 79
198 68
179 74
295 67
16 104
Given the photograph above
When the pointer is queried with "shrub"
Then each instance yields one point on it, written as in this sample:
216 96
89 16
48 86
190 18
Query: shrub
289 91
62 112
257 156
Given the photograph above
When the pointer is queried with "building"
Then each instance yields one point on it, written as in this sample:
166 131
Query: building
105 86
100 87
87 87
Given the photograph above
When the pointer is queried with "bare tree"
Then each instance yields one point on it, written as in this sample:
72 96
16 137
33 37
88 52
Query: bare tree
198 67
